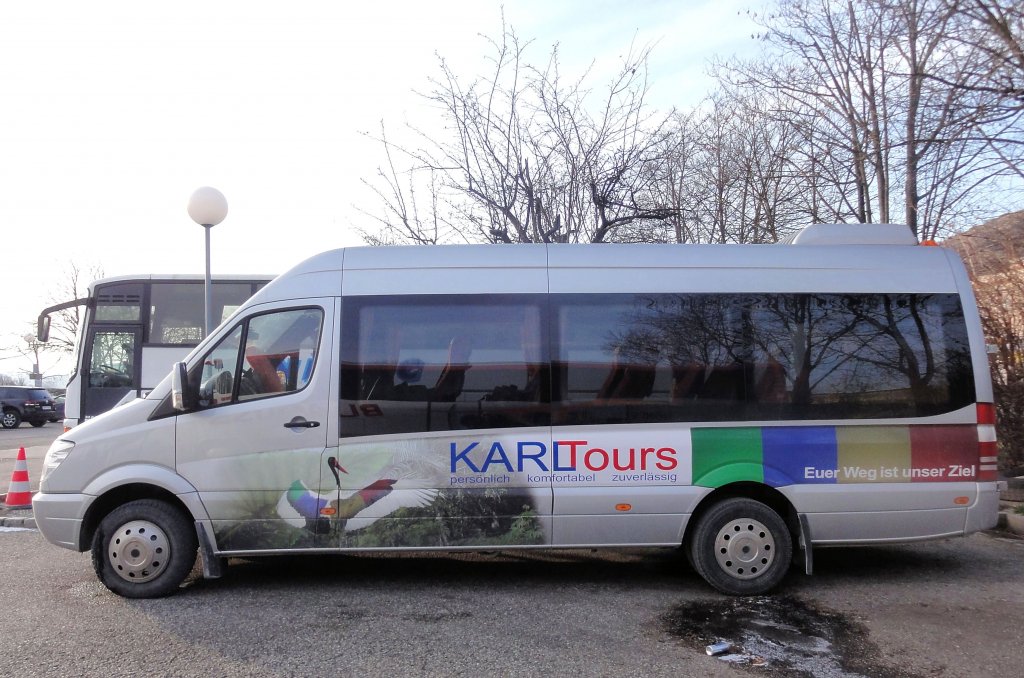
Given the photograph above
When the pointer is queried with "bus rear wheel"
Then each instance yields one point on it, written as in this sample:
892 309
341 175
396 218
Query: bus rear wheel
144 549
741 547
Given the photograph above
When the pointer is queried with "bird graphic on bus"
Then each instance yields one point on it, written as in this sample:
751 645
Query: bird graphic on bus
301 506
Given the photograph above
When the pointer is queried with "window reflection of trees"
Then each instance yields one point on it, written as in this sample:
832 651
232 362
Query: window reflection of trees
835 348
436 363
891 354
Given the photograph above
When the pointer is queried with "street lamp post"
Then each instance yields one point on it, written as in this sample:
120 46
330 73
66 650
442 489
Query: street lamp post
207 207
34 346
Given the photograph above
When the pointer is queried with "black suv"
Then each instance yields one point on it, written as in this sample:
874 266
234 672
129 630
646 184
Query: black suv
25 403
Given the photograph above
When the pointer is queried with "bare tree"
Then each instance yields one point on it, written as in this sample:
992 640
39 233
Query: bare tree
826 71
869 81
529 156
404 218
999 301
66 322
996 266
994 32
732 173
878 110
7 380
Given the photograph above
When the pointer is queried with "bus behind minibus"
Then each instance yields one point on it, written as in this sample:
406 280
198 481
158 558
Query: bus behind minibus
132 328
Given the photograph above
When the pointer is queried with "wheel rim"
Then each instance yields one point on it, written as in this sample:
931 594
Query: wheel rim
139 551
745 548
8 419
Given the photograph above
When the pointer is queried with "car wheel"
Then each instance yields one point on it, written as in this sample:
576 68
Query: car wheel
10 419
37 424
741 547
144 549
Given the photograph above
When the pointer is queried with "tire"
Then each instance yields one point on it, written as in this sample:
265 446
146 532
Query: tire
144 549
37 424
741 547
10 419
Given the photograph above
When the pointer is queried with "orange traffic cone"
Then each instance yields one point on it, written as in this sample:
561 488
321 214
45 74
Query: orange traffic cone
18 494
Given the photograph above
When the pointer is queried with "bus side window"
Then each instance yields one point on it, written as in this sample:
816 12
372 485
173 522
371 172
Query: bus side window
429 363
627 379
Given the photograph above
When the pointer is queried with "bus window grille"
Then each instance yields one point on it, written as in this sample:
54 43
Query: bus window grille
119 299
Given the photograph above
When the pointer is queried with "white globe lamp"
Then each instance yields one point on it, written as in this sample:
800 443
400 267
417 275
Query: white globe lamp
207 206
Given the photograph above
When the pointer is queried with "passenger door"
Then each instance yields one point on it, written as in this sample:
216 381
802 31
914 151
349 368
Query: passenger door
254 443
444 423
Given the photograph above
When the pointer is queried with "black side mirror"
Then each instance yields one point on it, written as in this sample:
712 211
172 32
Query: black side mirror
43 328
181 399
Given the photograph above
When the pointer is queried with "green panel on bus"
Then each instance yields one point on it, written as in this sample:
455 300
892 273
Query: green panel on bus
727 455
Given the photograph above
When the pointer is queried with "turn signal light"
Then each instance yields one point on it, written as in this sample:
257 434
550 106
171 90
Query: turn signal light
962 501
623 507
328 511
987 413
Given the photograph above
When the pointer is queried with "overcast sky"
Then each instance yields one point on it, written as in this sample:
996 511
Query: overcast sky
113 112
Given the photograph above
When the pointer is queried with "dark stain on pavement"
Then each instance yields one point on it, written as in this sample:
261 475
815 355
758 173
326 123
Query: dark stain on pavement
780 636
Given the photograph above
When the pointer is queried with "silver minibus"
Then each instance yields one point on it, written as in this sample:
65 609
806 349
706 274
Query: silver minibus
744 403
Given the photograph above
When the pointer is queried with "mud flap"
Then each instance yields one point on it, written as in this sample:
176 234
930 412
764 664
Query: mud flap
213 565
805 544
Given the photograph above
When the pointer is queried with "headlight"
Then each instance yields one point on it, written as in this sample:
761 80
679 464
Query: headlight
58 452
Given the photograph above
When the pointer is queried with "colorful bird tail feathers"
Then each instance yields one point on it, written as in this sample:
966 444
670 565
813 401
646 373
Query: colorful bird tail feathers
299 501
302 501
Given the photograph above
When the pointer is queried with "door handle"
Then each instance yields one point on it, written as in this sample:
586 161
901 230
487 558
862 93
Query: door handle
299 422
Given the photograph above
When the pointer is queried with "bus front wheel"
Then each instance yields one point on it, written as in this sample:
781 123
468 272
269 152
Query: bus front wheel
144 549
741 547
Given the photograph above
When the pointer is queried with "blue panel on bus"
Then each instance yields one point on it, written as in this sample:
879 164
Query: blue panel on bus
793 454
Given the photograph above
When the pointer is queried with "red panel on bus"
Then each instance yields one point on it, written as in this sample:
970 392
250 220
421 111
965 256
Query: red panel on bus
944 453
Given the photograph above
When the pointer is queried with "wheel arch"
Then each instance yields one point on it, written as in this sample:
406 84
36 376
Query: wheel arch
765 494
133 482
118 496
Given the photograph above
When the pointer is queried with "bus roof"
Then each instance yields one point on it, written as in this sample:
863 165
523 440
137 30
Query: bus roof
882 259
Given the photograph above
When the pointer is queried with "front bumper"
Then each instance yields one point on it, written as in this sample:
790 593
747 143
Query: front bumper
59 517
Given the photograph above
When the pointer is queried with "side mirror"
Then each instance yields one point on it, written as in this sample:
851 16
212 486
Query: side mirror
43 328
180 399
